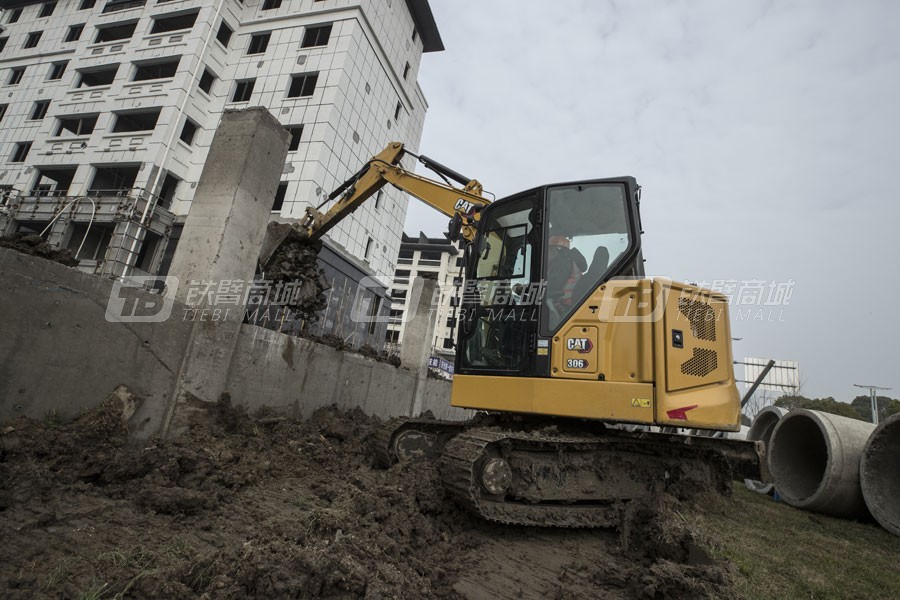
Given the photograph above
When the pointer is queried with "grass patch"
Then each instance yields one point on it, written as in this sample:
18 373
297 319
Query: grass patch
783 552
52 419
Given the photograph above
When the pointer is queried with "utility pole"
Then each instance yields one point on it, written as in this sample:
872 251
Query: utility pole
874 398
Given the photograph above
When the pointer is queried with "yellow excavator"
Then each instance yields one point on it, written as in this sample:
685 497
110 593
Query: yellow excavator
582 370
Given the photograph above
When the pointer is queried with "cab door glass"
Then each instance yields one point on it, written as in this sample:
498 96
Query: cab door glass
497 315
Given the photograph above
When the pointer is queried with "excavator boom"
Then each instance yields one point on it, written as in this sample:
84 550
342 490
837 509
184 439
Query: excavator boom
462 204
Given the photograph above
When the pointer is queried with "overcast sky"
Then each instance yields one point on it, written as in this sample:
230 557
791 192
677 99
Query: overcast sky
764 134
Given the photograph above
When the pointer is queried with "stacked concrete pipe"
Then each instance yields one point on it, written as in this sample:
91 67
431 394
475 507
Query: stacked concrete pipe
761 431
880 474
815 457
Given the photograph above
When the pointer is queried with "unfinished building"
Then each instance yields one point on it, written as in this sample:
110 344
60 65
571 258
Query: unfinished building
109 109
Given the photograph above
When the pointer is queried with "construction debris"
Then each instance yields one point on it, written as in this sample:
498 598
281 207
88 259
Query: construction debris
35 245
290 257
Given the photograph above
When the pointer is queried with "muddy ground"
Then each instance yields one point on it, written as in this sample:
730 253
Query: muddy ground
270 508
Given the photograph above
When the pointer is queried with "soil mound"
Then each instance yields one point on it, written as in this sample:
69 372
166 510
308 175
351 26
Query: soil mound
267 507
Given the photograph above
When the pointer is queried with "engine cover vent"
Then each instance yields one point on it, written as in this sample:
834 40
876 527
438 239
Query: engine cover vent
701 364
701 316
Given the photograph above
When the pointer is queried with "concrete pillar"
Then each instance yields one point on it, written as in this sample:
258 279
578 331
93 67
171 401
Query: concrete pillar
233 202
417 335
221 241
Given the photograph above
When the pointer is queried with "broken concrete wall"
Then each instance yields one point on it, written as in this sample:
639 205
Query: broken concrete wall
295 377
59 353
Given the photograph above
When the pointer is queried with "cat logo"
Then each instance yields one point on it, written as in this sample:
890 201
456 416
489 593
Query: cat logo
580 345
464 206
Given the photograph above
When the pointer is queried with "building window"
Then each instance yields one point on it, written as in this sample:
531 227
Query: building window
243 90
47 10
33 38
167 192
406 71
188 132
3 108
14 16
3 41
115 32
20 153
378 198
53 181
415 34
113 180
206 81
316 36
86 4
296 132
258 43
117 5
271 4
176 23
97 77
280 194
224 34
144 120
148 251
303 86
15 75
93 240
76 126
40 110
157 70
397 110
368 251
74 32
448 343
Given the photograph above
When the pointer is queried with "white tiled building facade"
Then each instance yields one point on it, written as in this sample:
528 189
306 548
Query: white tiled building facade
107 97
435 257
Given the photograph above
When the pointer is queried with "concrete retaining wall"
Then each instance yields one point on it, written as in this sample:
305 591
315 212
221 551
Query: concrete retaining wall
58 352
294 377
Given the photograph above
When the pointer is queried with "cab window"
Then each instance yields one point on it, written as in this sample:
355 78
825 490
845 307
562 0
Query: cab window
587 231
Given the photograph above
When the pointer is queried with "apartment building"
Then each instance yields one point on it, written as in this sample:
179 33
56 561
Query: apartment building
435 257
108 108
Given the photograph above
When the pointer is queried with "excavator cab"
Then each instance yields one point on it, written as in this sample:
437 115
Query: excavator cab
536 257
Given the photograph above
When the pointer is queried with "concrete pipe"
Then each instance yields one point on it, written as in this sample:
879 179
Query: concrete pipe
814 458
879 474
761 431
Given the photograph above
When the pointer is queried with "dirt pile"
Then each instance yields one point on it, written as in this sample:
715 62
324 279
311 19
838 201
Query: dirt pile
364 350
267 507
35 245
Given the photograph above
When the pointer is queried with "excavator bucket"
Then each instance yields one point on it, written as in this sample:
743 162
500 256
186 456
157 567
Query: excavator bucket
276 234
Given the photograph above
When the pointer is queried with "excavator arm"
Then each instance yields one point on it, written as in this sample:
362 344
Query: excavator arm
463 205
